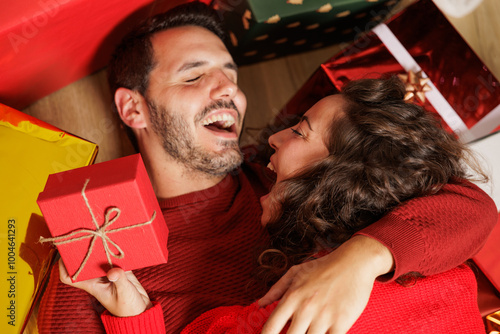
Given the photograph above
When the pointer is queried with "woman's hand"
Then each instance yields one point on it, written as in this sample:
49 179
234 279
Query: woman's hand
120 292
329 294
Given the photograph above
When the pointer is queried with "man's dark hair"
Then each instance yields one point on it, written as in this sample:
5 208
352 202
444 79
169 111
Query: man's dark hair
133 58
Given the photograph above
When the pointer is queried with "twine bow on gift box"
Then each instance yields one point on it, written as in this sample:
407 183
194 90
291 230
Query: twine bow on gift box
99 232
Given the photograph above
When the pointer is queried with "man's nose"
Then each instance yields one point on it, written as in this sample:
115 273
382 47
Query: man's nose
223 86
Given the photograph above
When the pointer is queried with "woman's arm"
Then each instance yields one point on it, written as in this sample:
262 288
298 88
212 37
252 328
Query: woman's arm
328 295
428 235
435 233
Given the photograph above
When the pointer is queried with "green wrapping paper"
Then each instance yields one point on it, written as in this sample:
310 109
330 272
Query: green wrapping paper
266 29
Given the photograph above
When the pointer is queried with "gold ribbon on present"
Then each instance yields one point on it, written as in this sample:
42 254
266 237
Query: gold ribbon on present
416 85
433 95
99 232
493 322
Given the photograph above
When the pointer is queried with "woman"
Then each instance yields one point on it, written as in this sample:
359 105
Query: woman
352 158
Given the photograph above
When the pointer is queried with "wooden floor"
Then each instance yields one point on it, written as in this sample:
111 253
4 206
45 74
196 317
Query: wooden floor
84 107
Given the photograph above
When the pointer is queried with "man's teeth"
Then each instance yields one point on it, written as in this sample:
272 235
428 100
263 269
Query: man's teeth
226 119
270 166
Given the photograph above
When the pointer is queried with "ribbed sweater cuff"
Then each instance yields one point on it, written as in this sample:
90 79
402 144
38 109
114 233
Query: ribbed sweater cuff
150 321
402 239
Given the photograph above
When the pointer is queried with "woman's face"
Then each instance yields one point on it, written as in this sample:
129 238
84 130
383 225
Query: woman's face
302 144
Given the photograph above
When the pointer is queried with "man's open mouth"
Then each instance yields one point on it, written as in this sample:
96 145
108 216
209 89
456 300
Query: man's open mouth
220 123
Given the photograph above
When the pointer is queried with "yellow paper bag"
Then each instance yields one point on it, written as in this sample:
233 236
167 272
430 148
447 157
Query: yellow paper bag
30 150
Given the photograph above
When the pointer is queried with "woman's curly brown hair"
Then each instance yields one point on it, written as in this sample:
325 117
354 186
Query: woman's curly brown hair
382 152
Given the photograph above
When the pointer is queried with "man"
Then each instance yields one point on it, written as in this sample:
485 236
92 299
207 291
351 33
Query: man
175 87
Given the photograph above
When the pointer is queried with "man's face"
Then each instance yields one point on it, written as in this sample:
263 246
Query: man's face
196 107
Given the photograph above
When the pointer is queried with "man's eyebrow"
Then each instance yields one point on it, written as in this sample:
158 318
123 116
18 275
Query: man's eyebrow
194 64
231 66
187 66
304 118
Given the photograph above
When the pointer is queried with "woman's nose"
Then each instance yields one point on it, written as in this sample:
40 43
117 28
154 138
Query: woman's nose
276 139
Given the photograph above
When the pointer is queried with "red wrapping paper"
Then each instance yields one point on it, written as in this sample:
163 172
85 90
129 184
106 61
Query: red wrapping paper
488 257
452 66
115 193
47 44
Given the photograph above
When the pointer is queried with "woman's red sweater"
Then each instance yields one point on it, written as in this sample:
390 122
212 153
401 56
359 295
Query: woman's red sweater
442 303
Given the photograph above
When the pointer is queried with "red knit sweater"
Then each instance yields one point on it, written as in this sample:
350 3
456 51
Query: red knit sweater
212 250
442 303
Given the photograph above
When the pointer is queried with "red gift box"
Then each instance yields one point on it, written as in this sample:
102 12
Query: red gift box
420 38
102 215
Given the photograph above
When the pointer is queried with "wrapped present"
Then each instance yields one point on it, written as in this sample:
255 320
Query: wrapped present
493 323
70 38
446 78
104 215
30 151
487 259
261 30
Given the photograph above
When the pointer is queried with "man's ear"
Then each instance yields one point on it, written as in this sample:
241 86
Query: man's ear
131 107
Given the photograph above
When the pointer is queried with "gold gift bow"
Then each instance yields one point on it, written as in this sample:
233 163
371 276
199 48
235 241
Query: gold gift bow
99 232
415 85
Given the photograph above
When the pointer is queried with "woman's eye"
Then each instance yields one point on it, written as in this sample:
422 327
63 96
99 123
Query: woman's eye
296 132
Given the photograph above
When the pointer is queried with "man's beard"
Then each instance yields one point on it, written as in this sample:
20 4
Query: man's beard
178 141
